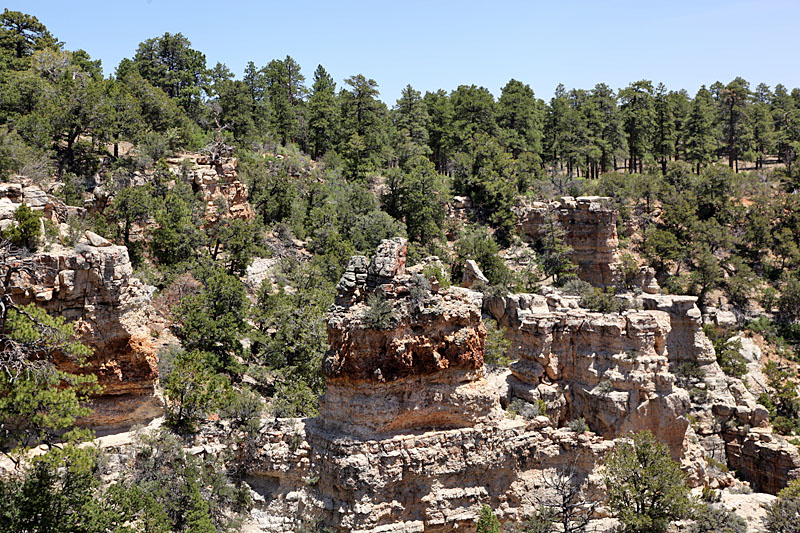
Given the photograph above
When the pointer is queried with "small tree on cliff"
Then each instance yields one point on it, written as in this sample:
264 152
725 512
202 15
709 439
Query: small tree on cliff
554 253
646 488
487 521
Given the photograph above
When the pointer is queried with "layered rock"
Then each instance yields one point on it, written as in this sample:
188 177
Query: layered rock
590 229
413 482
611 370
423 369
410 436
217 180
93 287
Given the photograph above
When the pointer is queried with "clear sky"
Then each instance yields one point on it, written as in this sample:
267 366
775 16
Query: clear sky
442 44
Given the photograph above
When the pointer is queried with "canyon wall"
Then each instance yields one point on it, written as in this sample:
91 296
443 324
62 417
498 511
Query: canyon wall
589 224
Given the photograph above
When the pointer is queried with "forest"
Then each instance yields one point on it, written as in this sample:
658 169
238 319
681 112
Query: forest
706 186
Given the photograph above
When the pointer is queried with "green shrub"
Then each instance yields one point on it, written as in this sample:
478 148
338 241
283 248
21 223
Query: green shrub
487 521
646 489
26 232
579 425
605 387
379 313
497 344
714 519
603 301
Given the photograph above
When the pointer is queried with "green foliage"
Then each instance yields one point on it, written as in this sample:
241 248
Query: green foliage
497 344
713 518
728 352
165 489
213 321
192 389
291 337
782 513
554 254
26 232
176 238
487 521
380 313
784 401
578 425
646 488
603 301
57 492
39 403
479 245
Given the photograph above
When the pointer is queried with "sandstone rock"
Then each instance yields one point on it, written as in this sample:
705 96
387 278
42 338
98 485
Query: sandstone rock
389 261
93 288
589 229
509 310
472 274
259 269
612 370
425 370
433 481
768 464
97 240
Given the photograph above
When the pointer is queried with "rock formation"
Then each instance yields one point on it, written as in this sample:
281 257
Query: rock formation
611 370
410 436
589 224
423 369
93 287
217 179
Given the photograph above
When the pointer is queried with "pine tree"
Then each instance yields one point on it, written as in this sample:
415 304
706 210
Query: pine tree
520 120
639 119
323 111
700 136
664 139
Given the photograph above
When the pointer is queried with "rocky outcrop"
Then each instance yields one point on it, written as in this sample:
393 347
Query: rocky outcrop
590 229
767 461
12 195
410 436
433 481
218 182
93 287
611 370
422 368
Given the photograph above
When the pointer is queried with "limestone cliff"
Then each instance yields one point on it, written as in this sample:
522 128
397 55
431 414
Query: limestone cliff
410 436
422 370
590 229
92 286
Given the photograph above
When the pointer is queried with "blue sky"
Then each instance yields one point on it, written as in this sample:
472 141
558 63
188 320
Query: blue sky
442 44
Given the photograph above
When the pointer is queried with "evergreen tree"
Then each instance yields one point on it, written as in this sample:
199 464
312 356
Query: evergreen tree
700 134
520 120
364 119
323 113
664 133
639 117
734 103
440 131
169 63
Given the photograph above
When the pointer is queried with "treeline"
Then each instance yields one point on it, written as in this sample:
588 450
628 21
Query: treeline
57 107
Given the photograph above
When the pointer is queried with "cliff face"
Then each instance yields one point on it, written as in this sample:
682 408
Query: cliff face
217 179
423 369
410 436
590 229
93 287
611 370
